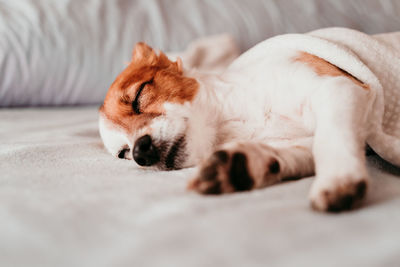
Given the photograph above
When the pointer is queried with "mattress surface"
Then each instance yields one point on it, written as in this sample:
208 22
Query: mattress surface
66 202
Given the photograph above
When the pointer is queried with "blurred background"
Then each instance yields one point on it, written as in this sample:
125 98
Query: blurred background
67 52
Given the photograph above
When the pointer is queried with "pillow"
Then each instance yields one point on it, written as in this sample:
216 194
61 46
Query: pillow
67 52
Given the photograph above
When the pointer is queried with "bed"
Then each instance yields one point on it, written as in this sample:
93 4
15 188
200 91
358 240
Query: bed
66 202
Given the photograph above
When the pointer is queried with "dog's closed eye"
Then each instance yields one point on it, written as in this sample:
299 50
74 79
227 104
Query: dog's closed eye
136 103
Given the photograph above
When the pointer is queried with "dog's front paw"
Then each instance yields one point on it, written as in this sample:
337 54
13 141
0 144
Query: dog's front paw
239 167
223 172
338 194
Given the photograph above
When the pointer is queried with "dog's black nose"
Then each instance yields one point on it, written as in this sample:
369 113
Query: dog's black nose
144 152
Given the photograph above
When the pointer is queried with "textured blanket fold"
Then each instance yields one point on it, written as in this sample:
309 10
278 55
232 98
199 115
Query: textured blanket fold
374 60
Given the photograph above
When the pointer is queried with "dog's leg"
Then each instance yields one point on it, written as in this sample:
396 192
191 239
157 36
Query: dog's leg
340 109
248 165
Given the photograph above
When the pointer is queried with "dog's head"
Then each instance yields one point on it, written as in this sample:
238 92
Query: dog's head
149 114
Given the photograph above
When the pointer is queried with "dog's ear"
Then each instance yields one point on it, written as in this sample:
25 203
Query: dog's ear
164 61
143 53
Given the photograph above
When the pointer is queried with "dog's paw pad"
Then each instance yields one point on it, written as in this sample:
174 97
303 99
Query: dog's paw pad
223 172
239 176
274 166
339 198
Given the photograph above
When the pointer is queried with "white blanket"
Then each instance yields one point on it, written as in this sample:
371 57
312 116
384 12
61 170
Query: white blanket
64 201
375 60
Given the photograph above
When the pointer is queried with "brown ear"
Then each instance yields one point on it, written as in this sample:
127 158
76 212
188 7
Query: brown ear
143 53
164 61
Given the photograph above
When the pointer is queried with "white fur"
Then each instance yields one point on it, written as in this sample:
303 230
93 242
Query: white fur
114 138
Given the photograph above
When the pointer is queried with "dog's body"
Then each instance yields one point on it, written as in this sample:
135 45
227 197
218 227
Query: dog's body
263 120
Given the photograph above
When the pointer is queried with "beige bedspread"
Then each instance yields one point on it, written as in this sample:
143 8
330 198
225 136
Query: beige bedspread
64 201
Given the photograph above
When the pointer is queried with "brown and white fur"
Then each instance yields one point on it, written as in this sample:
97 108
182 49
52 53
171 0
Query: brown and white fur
267 119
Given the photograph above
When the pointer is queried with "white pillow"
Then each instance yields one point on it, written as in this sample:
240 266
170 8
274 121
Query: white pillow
63 52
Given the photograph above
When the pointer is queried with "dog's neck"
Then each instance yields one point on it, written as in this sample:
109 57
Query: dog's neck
225 107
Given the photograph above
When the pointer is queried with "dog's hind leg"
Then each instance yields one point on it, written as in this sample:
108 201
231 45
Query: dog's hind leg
242 166
340 108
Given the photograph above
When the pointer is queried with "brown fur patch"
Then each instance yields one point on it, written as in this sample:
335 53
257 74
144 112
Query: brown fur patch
168 85
323 68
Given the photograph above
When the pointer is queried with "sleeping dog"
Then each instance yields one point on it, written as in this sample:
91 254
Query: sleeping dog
263 120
